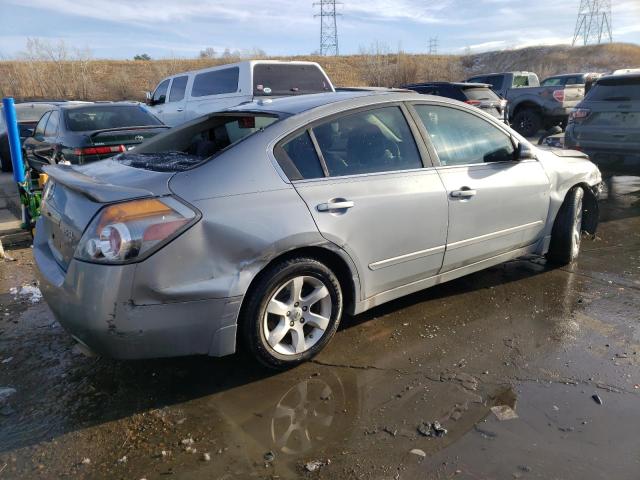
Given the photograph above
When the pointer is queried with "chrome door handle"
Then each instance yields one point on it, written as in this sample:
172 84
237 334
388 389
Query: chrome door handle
341 205
462 193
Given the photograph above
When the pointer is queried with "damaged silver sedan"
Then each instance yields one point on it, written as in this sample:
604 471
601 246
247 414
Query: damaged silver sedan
268 222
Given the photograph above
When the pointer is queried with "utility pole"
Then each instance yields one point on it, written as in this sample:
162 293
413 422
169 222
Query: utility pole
433 46
593 25
328 26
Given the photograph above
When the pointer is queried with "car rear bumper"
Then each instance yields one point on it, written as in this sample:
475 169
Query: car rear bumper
93 303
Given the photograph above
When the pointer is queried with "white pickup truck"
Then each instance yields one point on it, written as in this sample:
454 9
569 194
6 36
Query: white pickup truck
188 95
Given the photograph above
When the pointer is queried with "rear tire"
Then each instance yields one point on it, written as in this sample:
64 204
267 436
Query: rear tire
527 122
567 229
292 312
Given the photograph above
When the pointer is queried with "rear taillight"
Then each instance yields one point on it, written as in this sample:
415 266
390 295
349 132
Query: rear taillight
100 150
130 231
558 95
475 103
578 115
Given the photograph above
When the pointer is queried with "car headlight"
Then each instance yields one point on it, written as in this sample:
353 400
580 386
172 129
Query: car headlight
131 231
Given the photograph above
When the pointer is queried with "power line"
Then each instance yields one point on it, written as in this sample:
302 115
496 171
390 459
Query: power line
593 25
328 26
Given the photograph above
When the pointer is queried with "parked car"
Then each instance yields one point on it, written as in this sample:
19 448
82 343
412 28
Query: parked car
477 94
188 95
532 107
267 222
606 124
28 114
82 133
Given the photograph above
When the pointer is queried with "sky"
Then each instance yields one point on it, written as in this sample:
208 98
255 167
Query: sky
182 28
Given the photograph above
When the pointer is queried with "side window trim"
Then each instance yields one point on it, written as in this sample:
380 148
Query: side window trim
431 147
320 155
426 156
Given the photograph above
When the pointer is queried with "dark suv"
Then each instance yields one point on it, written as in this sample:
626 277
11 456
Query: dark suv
606 124
477 94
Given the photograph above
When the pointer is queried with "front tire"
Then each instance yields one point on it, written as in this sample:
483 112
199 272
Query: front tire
292 312
567 229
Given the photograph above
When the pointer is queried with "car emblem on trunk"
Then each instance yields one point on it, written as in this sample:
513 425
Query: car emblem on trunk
139 138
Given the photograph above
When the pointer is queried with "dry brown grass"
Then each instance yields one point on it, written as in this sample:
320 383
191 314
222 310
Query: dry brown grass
86 79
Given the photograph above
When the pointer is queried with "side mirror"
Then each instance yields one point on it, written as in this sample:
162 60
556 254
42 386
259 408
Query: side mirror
525 152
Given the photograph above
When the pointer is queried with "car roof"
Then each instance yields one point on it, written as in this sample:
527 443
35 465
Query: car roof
301 103
74 105
455 84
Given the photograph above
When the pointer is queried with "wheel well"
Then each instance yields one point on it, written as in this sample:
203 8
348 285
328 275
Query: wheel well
330 258
526 106
590 208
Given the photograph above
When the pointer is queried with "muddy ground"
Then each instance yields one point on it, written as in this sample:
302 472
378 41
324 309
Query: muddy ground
541 341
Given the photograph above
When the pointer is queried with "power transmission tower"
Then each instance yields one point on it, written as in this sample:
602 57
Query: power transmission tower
328 26
433 46
594 22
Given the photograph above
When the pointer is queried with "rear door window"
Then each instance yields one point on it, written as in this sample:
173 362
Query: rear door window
160 95
298 158
51 130
372 141
216 82
274 79
178 88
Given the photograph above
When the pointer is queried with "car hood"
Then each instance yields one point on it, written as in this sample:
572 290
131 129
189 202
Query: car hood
568 167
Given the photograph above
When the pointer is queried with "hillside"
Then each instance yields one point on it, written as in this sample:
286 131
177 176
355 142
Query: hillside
87 79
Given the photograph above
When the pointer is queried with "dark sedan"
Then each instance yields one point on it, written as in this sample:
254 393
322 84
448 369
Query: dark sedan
477 94
83 133
28 114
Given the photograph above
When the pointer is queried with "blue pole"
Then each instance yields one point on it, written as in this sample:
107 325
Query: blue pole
14 139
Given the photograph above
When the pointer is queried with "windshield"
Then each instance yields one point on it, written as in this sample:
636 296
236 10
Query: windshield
481 93
188 146
288 80
616 90
103 117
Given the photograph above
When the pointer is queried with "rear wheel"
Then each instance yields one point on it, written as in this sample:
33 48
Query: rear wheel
527 122
567 229
292 312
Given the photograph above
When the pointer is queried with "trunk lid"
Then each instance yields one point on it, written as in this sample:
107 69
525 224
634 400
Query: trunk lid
128 137
75 194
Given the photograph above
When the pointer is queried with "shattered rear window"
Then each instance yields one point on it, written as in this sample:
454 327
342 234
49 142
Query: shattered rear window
161 162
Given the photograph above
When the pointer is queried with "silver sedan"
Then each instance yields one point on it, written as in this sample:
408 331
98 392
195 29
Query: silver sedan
266 223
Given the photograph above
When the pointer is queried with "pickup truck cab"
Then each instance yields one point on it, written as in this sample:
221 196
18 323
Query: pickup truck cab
531 106
184 96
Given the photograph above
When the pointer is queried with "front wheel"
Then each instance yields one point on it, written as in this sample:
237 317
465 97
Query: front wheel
567 229
292 312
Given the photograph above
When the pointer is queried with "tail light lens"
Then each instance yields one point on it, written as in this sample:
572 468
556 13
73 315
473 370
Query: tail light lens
100 150
131 231
578 115
475 103
558 95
